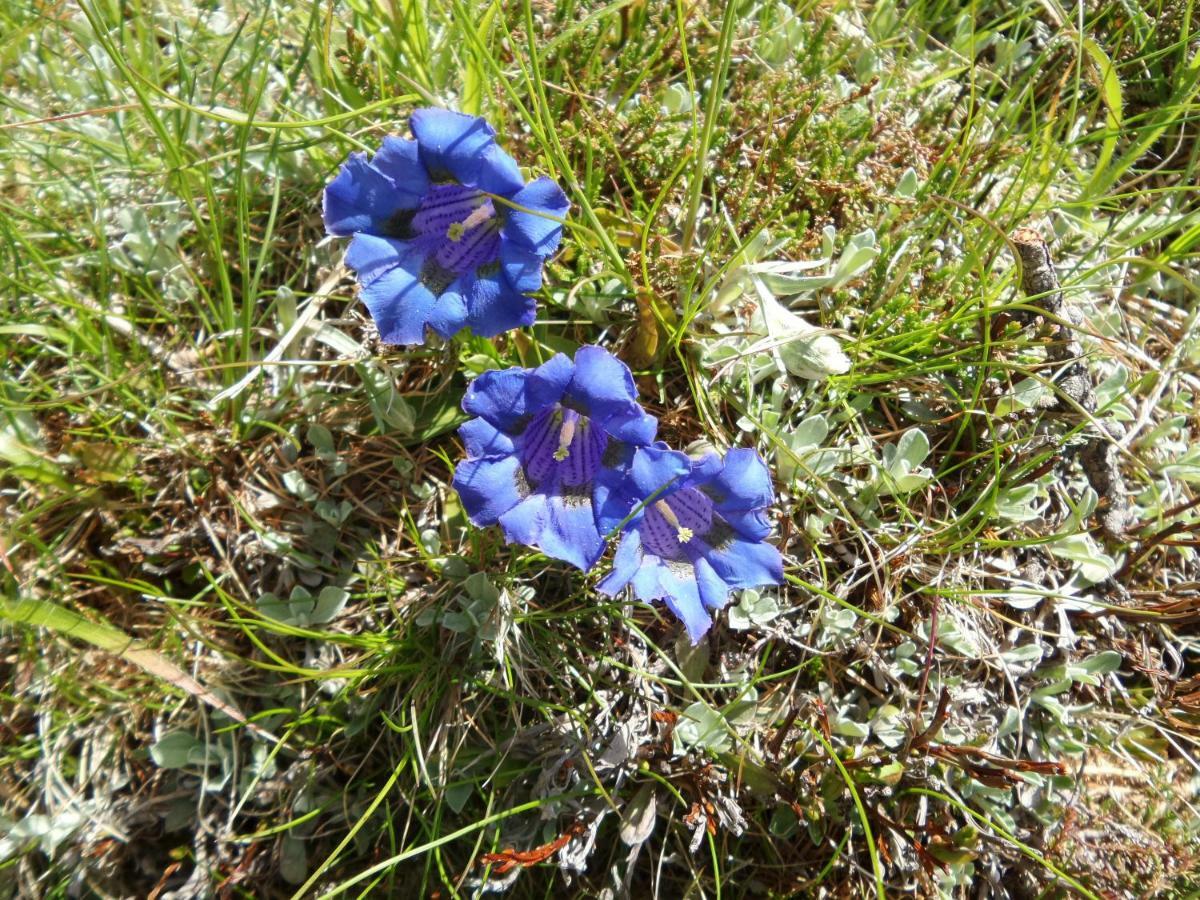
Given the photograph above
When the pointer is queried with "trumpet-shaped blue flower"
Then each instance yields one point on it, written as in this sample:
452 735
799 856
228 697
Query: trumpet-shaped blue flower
548 452
702 534
431 245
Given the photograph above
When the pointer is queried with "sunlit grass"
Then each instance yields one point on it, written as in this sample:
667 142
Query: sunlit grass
197 419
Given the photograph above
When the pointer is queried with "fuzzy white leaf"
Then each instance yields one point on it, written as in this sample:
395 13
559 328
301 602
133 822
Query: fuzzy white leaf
805 350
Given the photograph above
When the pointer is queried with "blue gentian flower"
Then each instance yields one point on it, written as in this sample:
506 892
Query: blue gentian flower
549 451
430 246
701 535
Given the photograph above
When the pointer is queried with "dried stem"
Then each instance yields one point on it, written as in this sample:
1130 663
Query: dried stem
1099 458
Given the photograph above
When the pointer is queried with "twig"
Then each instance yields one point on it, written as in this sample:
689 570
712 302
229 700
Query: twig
1099 457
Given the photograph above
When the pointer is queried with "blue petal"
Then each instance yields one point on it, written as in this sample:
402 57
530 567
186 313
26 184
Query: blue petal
533 229
521 267
746 564
655 467
498 396
714 592
489 488
751 524
481 438
400 305
675 585
603 386
398 159
493 307
498 173
560 528
451 143
626 562
359 198
549 380
612 496
449 314
743 483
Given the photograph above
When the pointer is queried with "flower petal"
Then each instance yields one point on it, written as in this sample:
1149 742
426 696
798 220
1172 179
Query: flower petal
751 524
493 307
400 305
498 173
448 315
714 592
398 159
560 527
533 230
603 387
481 438
451 143
676 586
549 380
612 498
743 483
498 396
359 198
489 488
521 267
656 467
746 564
626 562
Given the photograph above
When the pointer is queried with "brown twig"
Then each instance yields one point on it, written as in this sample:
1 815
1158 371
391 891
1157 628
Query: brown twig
1099 457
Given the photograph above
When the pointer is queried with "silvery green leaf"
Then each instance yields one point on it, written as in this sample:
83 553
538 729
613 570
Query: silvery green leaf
805 350
784 278
1185 467
1094 564
457 795
1028 393
701 726
298 487
912 449
174 749
1026 653
901 461
908 185
692 660
753 609
860 252
1102 663
293 860
848 728
1016 504
458 622
480 588
1008 725
639 815
810 433
339 341
321 439
329 603
287 612
392 412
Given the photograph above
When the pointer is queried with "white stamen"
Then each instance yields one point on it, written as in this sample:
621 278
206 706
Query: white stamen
682 533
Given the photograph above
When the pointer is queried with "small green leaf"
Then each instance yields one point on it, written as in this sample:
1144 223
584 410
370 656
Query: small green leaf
1102 663
174 749
329 603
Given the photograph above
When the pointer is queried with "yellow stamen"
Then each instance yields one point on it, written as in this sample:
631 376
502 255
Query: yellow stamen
566 435
682 533
478 216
